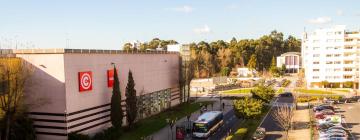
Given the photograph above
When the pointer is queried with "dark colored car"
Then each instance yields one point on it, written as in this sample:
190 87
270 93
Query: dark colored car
353 99
323 107
286 94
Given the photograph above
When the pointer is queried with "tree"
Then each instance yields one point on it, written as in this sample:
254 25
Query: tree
252 62
248 108
262 92
14 74
131 103
127 47
282 69
324 84
116 114
273 69
283 116
225 71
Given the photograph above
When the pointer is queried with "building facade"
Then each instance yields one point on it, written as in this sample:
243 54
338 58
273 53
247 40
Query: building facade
331 55
291 60
73 87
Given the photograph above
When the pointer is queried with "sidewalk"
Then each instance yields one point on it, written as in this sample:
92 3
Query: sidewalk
165 133
301 121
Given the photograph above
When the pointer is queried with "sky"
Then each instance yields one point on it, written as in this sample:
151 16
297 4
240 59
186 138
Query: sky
104 24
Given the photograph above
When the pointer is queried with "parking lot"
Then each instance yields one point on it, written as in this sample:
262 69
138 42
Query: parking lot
351 114
350 119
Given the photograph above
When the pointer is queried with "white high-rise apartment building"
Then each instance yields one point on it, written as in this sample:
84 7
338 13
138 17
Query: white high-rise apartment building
331 55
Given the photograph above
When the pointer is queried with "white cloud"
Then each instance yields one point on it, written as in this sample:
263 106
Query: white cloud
184 9
320 20
340 12
202 30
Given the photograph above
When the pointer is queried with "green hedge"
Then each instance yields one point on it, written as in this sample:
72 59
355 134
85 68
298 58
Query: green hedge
302 99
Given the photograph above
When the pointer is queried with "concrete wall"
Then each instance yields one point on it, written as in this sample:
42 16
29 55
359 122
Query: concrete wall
65 109
151 72
45 92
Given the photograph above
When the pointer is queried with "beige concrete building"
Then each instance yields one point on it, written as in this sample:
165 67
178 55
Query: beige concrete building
72 87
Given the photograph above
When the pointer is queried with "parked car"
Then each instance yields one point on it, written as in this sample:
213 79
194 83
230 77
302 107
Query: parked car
337 127
353 99
331 131
322 107
259 134
333 119
322 114
324 126
286 94
335 136
329 134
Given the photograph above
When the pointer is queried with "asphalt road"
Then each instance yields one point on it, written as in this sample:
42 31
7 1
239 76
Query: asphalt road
351 118
273 131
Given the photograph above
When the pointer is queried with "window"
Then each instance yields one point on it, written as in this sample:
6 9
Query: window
347 69
336 77
347 76
337 69
328 55
328 77
348 62
316 55
337 62
329 48
316 62
315 70
338 33
338 40
337 47
330 40
328 69
349 40
337 55
315 77
348 47
329 62
315 41
316 48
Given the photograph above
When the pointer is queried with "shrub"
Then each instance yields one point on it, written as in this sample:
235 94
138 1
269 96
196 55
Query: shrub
302 99
77 136
230 137
262 92
240 133
248 107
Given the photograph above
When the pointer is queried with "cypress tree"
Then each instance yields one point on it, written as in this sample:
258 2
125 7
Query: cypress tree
116 110
131 106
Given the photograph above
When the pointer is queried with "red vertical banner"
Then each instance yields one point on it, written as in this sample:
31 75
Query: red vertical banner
85 81
110 78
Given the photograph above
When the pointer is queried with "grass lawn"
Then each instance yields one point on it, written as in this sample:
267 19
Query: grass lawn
313 91
154 123
342 90
237 91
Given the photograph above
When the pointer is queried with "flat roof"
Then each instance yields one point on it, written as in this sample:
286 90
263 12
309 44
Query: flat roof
86 51
290 53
